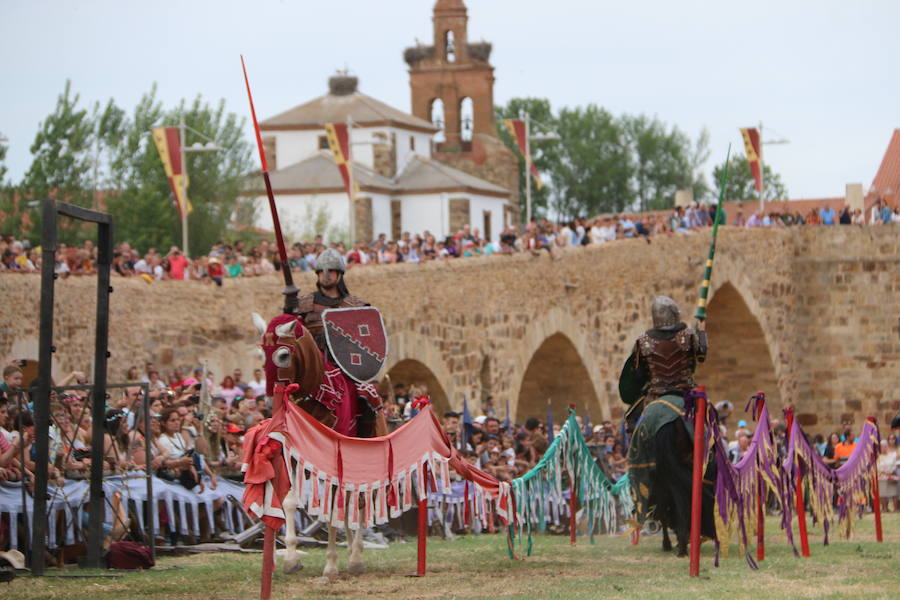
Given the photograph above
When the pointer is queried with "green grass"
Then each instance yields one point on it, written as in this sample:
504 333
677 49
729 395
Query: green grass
477 567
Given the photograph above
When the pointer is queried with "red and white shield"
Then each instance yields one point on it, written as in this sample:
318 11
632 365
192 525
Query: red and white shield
357 340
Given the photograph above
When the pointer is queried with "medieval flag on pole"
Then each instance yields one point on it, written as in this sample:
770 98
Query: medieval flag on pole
516 128
339 143
168 143
754 155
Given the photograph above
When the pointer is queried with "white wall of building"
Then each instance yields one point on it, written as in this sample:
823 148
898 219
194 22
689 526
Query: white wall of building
296 212
477 205
420 213
292 147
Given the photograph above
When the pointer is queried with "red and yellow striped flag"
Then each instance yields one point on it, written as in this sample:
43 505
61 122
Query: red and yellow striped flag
339 144
168 143
516 128
754 157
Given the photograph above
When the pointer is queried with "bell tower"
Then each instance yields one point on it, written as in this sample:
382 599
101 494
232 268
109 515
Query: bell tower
452 80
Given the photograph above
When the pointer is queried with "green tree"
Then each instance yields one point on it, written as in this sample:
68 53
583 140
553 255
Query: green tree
143 202
661 160
61 165
742 187
594 172
545 154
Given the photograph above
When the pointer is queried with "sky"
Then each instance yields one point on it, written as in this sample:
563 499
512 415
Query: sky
822 74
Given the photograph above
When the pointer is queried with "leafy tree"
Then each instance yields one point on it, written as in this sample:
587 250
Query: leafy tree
741 186
594 172
545 154
661 160
143 202
61 165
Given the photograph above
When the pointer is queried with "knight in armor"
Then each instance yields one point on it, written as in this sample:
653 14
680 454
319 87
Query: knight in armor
655 379
361 399
667 354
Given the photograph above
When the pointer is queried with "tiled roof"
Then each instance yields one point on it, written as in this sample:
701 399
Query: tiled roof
887 179
319 174
423 173
335 109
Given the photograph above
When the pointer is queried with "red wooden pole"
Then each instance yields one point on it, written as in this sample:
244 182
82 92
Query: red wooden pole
876 494
268 567
760 520
635 536
423 526
801 507
697 483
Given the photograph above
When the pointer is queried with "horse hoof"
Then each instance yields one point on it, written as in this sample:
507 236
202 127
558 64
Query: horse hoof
667 546
356 568
681 553
290 569
327 578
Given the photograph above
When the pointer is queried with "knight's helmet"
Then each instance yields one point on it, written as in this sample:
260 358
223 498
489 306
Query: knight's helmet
665 312
330 260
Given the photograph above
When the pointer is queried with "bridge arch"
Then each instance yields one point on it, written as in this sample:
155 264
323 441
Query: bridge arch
415 359
553 364
740 360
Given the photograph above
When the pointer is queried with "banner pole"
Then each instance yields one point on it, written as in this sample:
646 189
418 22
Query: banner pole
801 507
268 566
876 491
697 482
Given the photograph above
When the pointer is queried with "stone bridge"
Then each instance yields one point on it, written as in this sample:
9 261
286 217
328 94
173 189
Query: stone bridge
808 315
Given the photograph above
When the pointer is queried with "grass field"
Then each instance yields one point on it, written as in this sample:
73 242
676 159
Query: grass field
477 567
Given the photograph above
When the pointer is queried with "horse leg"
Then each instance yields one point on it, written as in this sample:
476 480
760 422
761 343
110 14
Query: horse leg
291 558
331 571
666 542
355 546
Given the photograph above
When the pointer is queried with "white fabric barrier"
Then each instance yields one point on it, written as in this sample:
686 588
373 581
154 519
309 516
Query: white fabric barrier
72 498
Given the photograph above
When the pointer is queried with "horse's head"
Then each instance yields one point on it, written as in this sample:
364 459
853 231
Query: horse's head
290 353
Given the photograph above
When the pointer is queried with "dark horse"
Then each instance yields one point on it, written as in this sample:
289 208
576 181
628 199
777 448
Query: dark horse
660 467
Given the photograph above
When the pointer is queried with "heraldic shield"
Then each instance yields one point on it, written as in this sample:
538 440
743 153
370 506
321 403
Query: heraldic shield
357 340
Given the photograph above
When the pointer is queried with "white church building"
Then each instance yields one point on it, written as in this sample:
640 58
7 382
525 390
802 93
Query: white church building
400 186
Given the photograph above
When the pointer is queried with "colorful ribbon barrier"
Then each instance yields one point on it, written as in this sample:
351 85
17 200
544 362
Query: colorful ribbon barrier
539 493
742 488
850 485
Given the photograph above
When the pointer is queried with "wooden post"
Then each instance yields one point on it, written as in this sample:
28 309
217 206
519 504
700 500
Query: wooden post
801 507
423 525
761 491
268 567
876 492
697 483
760 520
635 536
573 487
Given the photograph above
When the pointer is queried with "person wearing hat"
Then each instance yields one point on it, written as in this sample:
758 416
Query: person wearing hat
331 292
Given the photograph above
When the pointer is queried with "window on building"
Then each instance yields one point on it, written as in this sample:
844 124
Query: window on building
412 143
437 118
323 142
466 119
449 47
487 225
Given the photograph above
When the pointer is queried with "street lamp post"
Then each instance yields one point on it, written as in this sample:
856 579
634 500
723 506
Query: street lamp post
552 136
209 146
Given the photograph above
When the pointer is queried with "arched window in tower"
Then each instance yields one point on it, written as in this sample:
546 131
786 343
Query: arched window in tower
449 47
437 118
466 119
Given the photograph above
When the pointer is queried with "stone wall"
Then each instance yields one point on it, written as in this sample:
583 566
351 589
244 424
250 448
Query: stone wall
808 315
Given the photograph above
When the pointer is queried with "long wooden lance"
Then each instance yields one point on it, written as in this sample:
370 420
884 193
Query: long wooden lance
707 274
290 290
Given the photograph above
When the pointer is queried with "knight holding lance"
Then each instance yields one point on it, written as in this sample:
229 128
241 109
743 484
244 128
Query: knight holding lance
356 407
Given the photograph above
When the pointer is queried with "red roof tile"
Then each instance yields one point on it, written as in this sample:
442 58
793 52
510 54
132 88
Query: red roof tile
887 180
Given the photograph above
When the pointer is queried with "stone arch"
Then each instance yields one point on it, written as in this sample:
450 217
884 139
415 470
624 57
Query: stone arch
413 372
557 339
740 361
419 359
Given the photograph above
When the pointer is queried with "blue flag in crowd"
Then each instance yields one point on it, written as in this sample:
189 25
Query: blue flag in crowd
549 421
468 423
506 423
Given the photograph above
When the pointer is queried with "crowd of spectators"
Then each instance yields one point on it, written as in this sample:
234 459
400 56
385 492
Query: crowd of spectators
240 259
